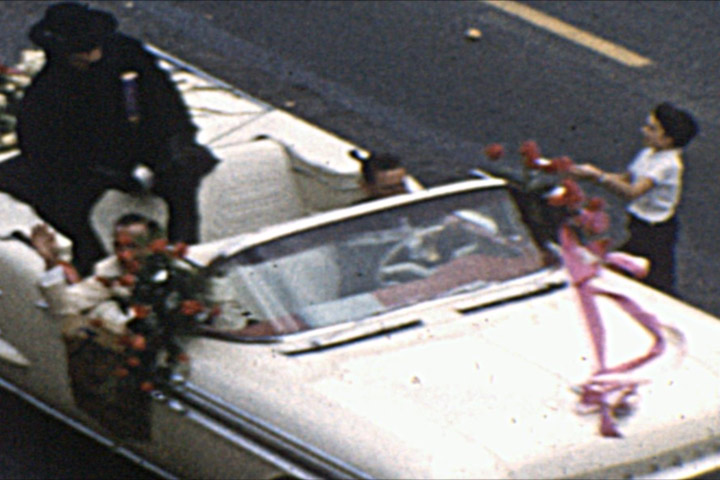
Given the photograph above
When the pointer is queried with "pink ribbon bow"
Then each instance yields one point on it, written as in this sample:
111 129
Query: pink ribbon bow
608 396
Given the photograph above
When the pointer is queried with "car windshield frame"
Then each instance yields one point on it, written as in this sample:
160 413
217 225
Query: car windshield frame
381 260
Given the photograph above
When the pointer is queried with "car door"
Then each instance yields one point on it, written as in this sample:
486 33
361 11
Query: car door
34 357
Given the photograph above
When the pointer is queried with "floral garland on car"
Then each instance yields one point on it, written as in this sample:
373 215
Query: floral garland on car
167 300
13 82
585 251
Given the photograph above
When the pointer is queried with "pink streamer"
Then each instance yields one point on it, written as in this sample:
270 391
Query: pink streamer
606 396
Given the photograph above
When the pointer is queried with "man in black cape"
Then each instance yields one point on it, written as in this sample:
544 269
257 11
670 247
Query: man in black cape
100 108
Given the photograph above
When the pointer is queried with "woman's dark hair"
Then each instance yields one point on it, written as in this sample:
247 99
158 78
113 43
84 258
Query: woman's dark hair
678 124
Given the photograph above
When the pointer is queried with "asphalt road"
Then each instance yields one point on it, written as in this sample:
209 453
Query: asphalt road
402 76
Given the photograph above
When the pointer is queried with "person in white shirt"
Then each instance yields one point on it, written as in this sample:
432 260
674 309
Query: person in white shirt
652 185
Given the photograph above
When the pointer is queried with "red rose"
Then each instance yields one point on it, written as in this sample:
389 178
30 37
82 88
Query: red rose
575 195
180 250
596 204
558 165
494 151
599 247
127 280
556 198
158 245
147 386
191 307
141 311
530 152
133 361
126 255
568 195
138 342
593 222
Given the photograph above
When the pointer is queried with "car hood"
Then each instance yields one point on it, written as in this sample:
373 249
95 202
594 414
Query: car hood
486 393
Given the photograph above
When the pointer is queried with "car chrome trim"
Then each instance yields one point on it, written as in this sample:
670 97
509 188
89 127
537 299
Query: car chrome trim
85 430
279 445
247 444
687 469
544 281
9 353
466 303
163 55
352 334
274 232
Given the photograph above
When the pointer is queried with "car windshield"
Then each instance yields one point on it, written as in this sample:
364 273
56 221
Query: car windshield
381 261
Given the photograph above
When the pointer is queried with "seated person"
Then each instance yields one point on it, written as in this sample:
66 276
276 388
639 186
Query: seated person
94 298
383 175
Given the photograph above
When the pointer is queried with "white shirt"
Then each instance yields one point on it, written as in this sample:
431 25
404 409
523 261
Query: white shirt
665 169
90 297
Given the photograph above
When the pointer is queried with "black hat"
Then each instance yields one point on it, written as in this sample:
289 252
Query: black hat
72 27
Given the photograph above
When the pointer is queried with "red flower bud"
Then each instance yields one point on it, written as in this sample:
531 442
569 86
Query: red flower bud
530 152
593 222
558 165
133 361
191 307
596 204
180 250
126 256
147 386
158 245
494 151
121 372
599 247
141 311
127 280
138 342
568 194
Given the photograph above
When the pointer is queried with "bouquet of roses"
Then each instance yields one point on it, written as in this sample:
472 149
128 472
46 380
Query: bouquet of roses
167 300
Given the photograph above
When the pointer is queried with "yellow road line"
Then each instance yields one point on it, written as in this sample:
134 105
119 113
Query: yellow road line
568 32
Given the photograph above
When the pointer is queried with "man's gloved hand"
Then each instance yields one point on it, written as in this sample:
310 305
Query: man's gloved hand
188 157
126 182
144 177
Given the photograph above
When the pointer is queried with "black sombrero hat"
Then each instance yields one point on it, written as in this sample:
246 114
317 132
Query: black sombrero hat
72 27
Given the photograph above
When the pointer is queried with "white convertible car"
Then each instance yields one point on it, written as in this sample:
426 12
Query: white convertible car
425 335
